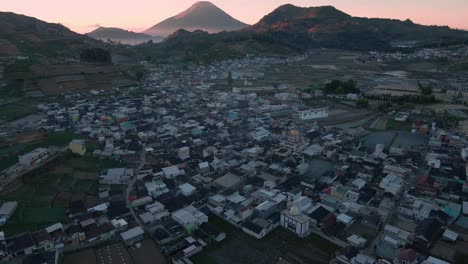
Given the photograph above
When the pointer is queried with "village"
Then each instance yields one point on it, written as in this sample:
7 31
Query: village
194 159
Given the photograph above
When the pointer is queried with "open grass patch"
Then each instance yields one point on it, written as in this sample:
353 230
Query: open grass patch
398 125
32 219
203 258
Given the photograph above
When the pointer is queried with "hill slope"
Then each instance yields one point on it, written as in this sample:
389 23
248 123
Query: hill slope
121 35
291 29
200 16
21 34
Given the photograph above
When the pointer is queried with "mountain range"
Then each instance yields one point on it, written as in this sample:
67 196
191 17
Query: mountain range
288 29
291 29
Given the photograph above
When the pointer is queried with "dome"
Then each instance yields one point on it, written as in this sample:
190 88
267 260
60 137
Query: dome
295 132
294 210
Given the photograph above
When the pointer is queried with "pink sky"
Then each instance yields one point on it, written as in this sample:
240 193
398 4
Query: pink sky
84 15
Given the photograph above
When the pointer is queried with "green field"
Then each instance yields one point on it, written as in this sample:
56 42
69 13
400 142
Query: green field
9 155
18 109
44 194
280 242
398 125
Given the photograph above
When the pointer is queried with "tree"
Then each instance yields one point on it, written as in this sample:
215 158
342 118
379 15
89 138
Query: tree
229 78
96 55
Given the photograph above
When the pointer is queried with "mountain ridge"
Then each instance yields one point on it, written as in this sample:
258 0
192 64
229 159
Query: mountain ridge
291 29
202 15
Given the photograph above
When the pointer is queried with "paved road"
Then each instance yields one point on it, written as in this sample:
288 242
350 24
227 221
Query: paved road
410 182
130 184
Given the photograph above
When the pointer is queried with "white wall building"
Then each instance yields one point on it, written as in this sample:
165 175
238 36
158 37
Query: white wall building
308 114
294 220
34 157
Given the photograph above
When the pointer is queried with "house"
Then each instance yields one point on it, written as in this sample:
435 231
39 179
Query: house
357 241
172 172
449 235
213 231
156 188
426 233
77 146
22 244
392 183
7 209
116 176
317 214
257 227
228 181
265 209
433 260
189 217
407 256
187 189
362 259
132 236
43 240
34 157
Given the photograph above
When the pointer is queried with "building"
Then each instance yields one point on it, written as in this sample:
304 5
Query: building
77 146
294 220
133 235
172 172
34 157
294 141
187 189
309 114
189 217
116 176
7 209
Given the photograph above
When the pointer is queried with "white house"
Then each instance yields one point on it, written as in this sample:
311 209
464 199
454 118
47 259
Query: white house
187 189
391 183
116 176
34 157
172 172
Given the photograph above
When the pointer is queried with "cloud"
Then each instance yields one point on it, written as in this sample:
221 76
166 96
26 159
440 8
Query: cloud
94 26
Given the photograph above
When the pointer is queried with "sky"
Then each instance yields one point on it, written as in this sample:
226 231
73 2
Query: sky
137 15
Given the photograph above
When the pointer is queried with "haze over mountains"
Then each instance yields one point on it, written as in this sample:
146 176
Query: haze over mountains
201 16
288 29
121 35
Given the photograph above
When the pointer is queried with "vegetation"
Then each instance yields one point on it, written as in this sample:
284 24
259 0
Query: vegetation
9 155
425 89
96 55
17 109
398 125
363 103
322 244
341 87
45 194
405 99
384 106
138 72
460 258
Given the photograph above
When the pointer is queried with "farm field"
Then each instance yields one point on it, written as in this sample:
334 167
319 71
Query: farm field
280 243
10 149
44 194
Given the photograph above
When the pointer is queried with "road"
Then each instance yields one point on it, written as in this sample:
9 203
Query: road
130 184
409 183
